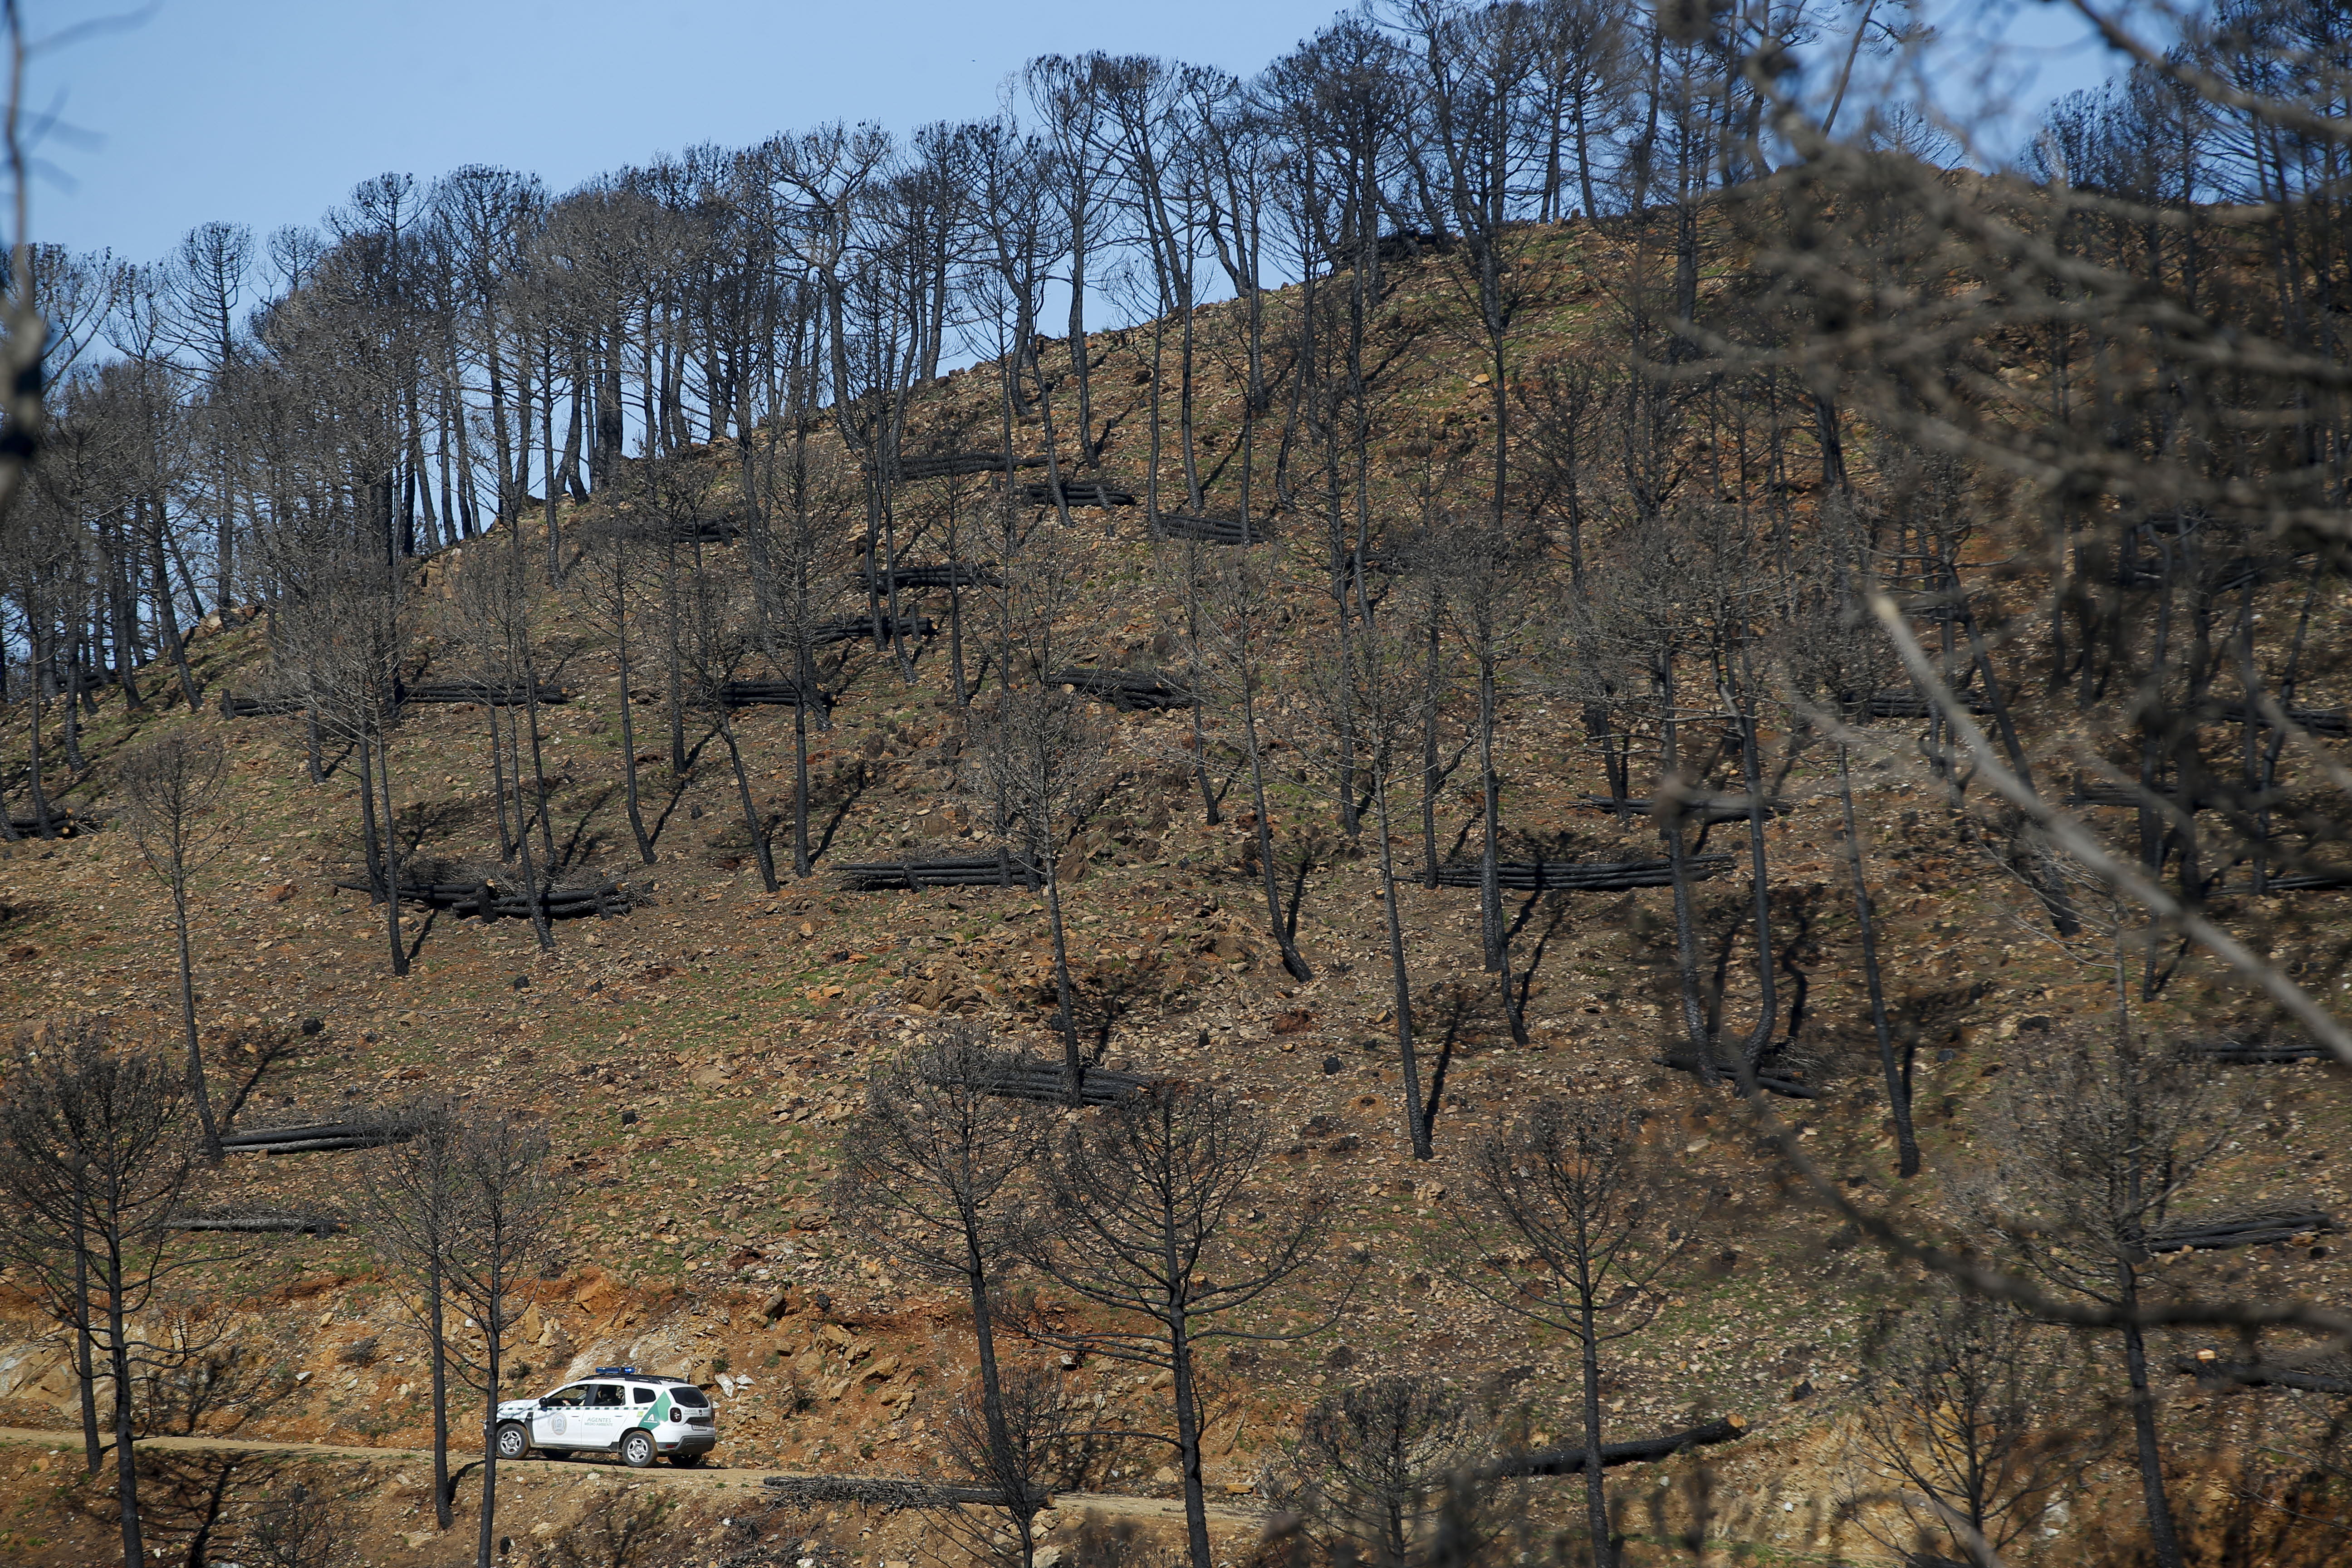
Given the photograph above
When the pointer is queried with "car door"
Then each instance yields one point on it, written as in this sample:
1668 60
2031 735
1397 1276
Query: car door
607 1413
558 1423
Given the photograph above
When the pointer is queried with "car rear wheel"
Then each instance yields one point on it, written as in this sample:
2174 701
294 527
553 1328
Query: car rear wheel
514 1440
685 1461
636 1450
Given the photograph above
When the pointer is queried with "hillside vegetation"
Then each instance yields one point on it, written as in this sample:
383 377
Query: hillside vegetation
1714 827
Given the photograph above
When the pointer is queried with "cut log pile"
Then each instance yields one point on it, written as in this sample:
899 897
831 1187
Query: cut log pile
1703 810
2207 1366
234 707
2302 882
317 1137
1567 876
852 628
495 899
701 530
1125 690
2255 1230
959 575
1213 530
1568 1459
2319 720
63 824
2257 1052
497 693
1017 1077
1767 1080
264 1222
1077 492
494 693
998 870
1901 702
2095 792
775 694
954 465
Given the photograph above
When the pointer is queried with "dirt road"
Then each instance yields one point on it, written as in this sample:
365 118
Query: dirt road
709 1477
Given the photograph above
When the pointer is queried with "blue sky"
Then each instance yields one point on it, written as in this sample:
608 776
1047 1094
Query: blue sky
267 112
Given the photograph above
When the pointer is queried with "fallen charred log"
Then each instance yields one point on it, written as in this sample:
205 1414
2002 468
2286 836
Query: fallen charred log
2257 1052
1897 702
263 1223
63 824
701 531
2207 1367
317 1137
2302 882
956 464
1125 690
1077 492
2317 721
1566 876
493 899
1568 1459
941 576
234 707
491 693
1213 530
2255 1230
999 870
850 629
775 694
1770 1083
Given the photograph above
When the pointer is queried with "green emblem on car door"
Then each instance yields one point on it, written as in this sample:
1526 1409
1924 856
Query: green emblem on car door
657 1413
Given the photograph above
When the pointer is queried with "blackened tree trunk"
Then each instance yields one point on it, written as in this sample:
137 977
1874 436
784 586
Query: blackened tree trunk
629 734
2163 1537
1897 1069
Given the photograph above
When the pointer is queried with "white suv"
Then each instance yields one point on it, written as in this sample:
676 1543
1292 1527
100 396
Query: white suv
619 1411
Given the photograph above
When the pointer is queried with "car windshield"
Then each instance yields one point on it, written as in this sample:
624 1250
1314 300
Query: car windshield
689 1397
575 1394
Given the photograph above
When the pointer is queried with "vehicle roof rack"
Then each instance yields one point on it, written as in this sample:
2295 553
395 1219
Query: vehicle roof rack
616 1372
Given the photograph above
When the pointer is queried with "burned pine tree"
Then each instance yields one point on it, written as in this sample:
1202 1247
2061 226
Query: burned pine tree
346 631
2096 1148
410 1193
935 1174
1575 1187
1039 756
503 1226
1383 1460
497 608
96 1158
1361 698
172 788
1142 1219
1960 1430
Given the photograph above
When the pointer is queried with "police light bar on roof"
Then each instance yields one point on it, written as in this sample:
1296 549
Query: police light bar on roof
616 1372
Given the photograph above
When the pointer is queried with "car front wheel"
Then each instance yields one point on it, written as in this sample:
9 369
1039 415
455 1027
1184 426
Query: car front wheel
514 1442
636 1450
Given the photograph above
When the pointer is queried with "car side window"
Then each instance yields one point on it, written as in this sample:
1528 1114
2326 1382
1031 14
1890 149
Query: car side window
575 1394
608 1397
641 1396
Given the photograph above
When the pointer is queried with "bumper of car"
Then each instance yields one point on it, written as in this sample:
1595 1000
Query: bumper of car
687 1440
